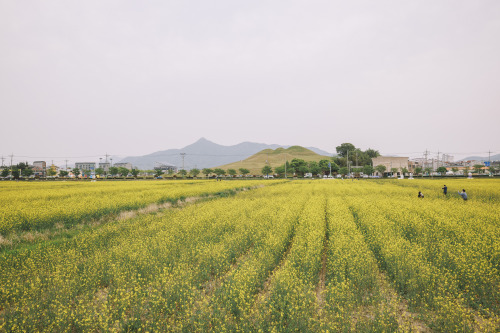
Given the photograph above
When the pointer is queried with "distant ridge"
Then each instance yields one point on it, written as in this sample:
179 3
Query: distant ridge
202 154
482 158
274 158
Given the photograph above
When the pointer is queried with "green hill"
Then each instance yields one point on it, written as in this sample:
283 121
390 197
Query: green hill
275 158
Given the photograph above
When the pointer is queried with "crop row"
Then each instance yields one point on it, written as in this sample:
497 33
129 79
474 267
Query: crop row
38 206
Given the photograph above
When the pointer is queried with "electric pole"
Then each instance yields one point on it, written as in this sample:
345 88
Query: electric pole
3 158
66 165
183 155
438 159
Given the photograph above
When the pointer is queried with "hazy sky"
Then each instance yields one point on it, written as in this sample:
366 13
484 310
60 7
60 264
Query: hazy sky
82 78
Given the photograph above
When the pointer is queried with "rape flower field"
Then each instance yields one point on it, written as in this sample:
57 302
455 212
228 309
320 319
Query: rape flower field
310 256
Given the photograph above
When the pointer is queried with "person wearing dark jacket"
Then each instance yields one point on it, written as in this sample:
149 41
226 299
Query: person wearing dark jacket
420 195
445 190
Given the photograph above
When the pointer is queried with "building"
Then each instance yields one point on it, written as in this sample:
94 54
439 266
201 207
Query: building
391 162
39 168
105 166
165 167
125 165
85 166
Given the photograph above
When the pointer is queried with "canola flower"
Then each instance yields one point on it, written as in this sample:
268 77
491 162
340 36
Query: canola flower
313 256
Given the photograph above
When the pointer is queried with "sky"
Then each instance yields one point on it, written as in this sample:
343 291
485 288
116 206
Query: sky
86 78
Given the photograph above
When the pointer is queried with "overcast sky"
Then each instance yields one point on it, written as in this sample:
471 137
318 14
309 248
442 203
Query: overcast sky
82 78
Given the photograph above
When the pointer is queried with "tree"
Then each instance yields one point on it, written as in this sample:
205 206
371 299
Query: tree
441 170
372 153
51 172
492 169
99 171
28 172
477 168
244 171
194 172
134 172
368 169
380 168
299 166
323 166
344 148
219 172
404 171
113 171
418 170
158 173
428 170
123 171
314 168
231 172
266 170
15 172
76 172
183 172
280 170
394 171
207 171
5 172
343 171
454 169
63 173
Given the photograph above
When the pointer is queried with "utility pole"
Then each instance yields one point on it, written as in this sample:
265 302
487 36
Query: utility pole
3 158
425 163
438 159
66 165
11 157
183 155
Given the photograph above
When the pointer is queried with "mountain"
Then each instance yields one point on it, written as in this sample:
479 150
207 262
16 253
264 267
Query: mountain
201 154
482 158
204 154
274 158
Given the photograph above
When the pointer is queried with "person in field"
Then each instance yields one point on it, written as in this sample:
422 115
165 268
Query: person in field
463 194
420 195
445 190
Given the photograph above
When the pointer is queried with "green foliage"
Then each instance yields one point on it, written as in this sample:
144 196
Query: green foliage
219 172
231 172
113 171
135 172
5 172
418 170
380 168
50 172
76 172
63 173
244 171
314 168
368 170
195 172
28 172
344 148
441 170
98 171
123 171
266 170
207 171
343 171
477 168
158 172
183 172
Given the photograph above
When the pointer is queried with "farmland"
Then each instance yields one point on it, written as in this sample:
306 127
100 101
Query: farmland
322 255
